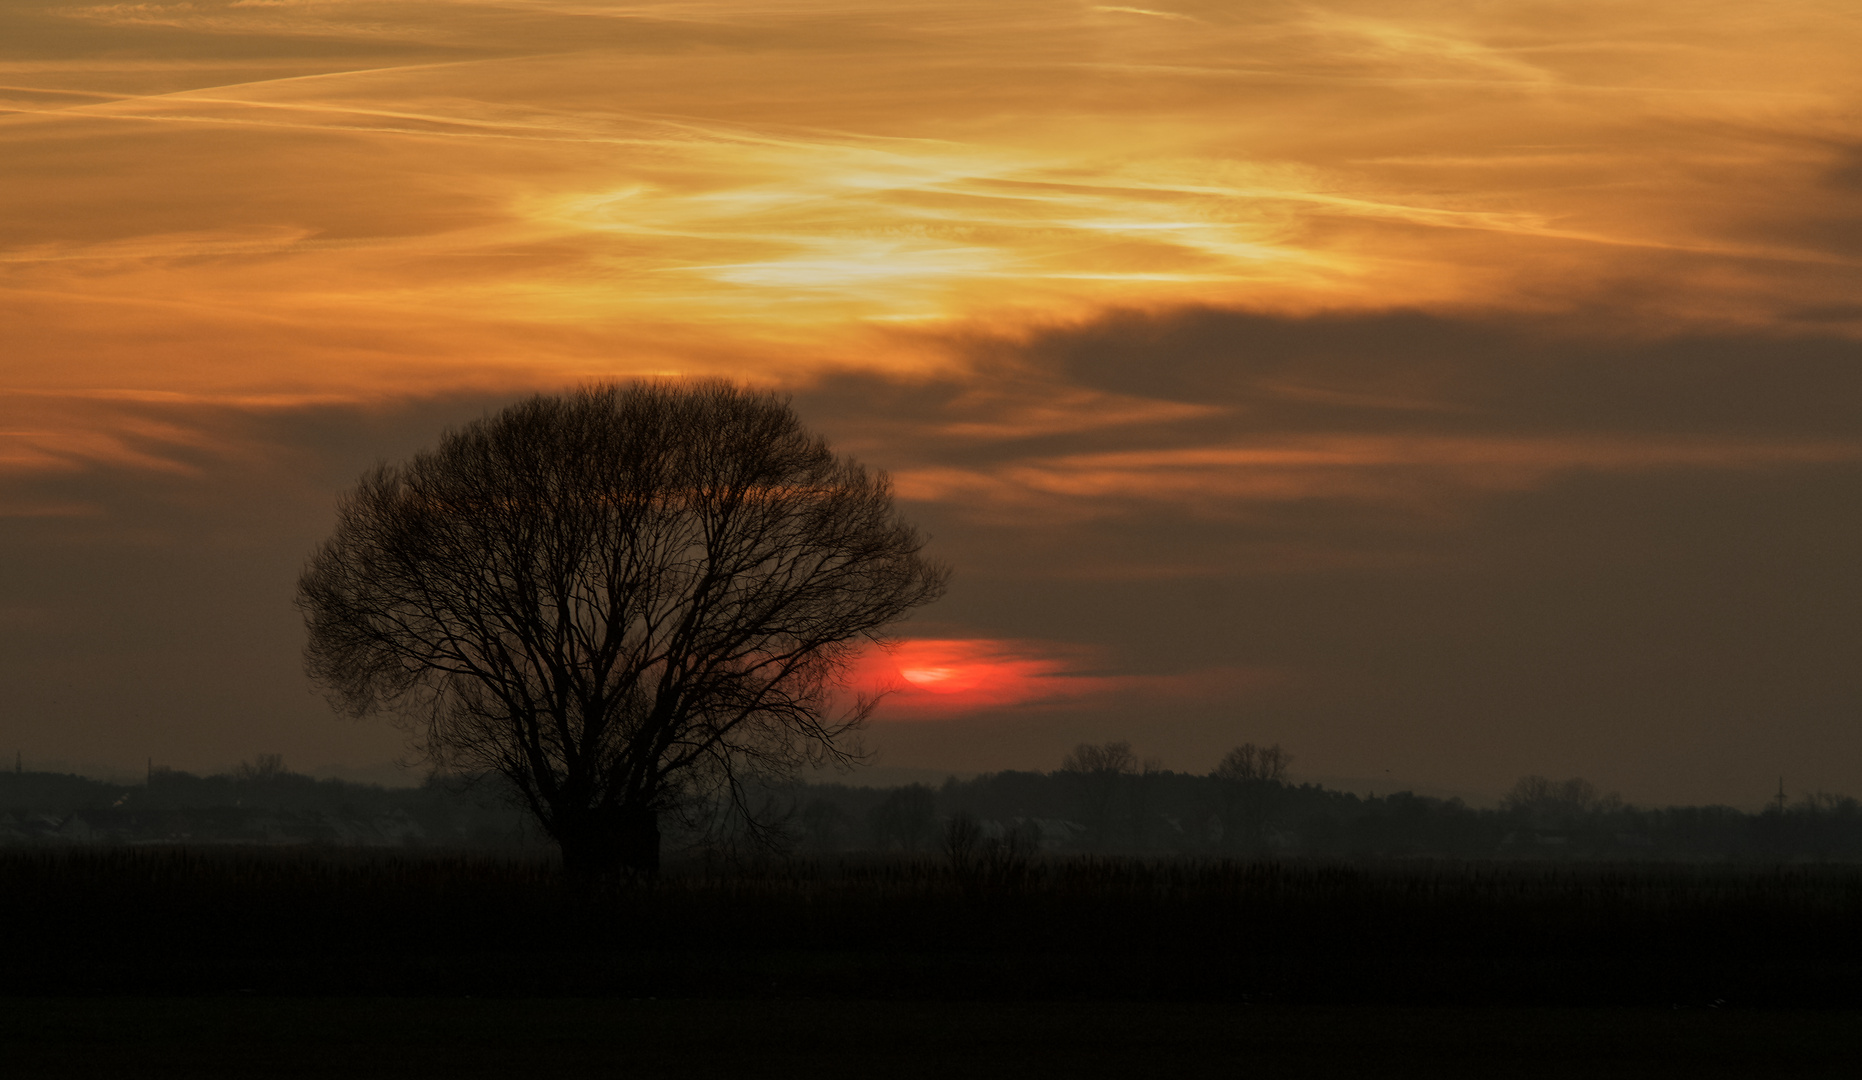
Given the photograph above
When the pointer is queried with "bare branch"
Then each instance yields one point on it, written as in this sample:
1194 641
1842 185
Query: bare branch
625 600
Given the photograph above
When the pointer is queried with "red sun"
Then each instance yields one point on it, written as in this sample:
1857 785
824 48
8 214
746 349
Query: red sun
947 675
929 678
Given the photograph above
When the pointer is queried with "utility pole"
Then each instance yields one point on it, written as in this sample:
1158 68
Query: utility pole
1780 799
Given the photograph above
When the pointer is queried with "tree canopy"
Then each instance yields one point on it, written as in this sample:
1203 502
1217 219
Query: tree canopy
628 601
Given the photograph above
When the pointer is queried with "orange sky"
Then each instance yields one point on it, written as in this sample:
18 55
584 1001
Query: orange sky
273 199
222 212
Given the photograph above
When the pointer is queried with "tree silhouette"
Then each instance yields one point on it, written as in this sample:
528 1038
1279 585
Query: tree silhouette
1097 774
628 601
1250 780
906 818
1556 804
1250 762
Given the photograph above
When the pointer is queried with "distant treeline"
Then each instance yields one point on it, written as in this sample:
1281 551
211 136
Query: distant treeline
1161 812
1102 802
260 803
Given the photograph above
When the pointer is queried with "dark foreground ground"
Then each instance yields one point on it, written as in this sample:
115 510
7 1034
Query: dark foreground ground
301 962
571 1038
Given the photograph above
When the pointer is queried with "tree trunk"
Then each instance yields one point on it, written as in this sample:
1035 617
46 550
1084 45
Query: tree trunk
605 842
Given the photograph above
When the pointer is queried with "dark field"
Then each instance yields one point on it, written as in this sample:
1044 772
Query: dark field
304 920
592 1037
304 961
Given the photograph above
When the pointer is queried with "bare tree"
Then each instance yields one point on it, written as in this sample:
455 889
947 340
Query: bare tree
963 839
267 767
1249 780
1110 759
906 818
1557 803
628 601
825 826
1007 858
1145 791
1250 762
1098 776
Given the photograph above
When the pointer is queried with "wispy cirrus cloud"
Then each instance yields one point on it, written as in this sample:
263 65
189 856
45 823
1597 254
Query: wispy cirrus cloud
1397 470
311 197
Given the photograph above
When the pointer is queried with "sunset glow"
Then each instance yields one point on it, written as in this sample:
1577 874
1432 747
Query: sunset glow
939 677
1361 375
328 198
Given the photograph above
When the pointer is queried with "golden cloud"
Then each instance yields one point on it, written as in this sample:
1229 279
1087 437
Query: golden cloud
388 199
